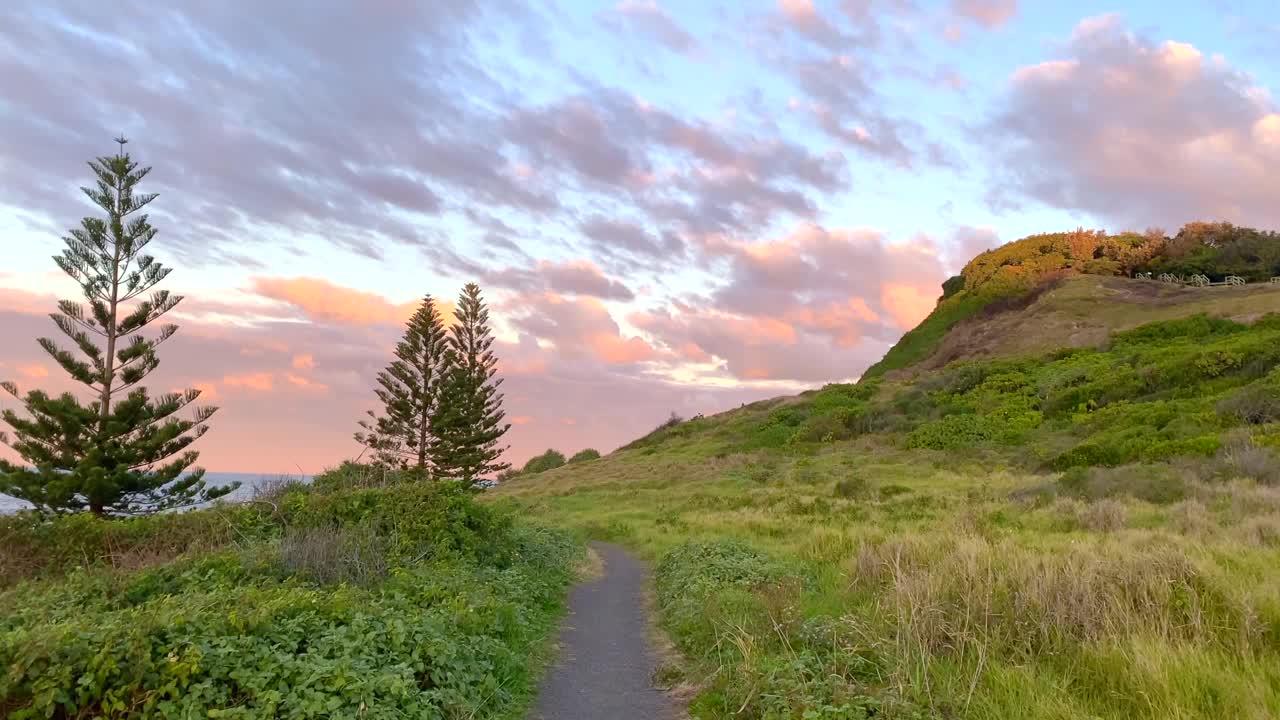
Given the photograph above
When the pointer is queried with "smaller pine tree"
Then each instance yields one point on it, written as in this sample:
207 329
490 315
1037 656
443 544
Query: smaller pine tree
468 423
402 436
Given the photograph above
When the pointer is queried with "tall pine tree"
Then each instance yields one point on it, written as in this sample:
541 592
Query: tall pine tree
124 452
403 435
468 422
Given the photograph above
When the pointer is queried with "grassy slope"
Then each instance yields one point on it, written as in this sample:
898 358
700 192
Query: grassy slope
872 553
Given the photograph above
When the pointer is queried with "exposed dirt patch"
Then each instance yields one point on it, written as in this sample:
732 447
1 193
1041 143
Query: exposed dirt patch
1082 311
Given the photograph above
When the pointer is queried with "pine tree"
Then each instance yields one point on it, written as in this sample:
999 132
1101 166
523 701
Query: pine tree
402 436
124 452
468 422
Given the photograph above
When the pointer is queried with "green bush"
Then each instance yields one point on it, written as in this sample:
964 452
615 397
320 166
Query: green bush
32 545
822 428
415 521
1195 327
853 487
585 455
1160 484
697 573
436 640
954 432
548 460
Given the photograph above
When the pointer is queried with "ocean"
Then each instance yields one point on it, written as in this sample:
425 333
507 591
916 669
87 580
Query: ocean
248 481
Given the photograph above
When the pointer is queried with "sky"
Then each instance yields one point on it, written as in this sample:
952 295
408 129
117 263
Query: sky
671 206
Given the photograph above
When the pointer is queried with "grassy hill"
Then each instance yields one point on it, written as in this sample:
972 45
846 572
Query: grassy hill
1059 497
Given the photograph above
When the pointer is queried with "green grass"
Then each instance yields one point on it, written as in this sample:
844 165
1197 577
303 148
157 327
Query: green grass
1092 533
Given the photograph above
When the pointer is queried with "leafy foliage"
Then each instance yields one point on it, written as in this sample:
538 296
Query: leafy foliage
125 452
541 463
585 455
444 627
1219 249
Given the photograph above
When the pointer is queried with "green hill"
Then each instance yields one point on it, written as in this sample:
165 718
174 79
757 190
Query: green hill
1058 497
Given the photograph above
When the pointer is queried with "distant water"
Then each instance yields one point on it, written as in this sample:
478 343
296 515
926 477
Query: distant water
248 481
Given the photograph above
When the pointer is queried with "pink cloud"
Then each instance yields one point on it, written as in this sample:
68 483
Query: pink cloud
304 383
579 327
1138 132
615 349
573 277
909 304
260 381
652 19
304 362
208 390
33 371
817 304
21 301
990 14
321 300
802 17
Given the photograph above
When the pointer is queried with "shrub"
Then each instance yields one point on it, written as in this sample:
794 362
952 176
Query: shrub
1263 531
673 425
585 455
1190 517
952 285
1241 458
696 575
541 463
852 487
822 428
1161 484
954 432
1193 327
32 545
1105 515
414 521
1252 405
437 640
330 555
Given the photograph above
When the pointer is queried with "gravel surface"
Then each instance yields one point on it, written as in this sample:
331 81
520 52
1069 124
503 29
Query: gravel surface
606 663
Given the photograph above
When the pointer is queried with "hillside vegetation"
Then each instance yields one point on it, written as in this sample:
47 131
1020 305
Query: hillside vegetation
401 600
1039 528
1069 280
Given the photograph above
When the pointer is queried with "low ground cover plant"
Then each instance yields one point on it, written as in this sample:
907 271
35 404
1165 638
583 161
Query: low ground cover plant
406 600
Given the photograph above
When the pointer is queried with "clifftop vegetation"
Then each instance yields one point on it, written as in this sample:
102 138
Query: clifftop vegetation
1013 275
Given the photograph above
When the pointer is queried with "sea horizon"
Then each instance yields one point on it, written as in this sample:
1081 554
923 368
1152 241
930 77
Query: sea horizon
248 482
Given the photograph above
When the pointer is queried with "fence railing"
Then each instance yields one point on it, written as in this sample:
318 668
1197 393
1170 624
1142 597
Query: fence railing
1198 280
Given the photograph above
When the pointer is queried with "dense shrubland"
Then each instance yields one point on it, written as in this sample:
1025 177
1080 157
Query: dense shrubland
341 599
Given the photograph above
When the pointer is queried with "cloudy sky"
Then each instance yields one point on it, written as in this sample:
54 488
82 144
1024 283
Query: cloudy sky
672 206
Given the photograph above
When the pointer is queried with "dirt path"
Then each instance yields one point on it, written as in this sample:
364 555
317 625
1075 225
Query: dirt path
606 664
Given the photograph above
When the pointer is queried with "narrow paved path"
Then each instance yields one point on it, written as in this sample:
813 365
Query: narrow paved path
606 665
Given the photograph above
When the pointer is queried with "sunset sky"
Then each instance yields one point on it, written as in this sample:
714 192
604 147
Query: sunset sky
671 206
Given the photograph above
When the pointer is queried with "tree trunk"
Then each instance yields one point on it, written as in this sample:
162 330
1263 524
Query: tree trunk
110 360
